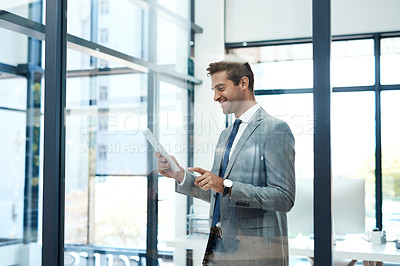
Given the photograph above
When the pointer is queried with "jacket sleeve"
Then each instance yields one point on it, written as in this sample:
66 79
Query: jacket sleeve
188 188
278 194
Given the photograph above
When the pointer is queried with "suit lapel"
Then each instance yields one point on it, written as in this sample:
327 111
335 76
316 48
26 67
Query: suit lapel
254 123
219 152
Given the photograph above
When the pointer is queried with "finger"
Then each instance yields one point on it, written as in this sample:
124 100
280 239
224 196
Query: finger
157 154
163 165
201 183
162 159
197 170
199 179
206 187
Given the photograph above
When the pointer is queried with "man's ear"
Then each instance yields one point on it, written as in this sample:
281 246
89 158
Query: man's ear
244 83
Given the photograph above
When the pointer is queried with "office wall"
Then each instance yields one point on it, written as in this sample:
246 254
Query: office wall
258 20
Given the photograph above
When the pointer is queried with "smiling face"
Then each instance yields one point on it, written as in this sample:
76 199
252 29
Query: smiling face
229 96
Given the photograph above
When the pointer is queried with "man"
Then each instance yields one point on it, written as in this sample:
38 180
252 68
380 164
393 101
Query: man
251 185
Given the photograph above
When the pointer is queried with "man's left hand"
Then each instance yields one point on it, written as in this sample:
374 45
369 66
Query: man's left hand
207 180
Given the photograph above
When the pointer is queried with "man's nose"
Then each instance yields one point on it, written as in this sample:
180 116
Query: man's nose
216 95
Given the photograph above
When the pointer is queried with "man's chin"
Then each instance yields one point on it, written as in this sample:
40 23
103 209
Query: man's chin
226 111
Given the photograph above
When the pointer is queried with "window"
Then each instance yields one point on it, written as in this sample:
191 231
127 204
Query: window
104 7
21 139
173 136
279 67
102 151
390 61
390 162
172 48
181 7
103 93
353 63
354 122
111 95
104 36
353 143
103 122
296 110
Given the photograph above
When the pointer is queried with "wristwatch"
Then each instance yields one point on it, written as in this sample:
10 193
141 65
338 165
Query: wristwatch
227 186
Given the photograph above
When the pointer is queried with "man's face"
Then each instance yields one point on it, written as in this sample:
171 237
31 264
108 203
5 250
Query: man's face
226 93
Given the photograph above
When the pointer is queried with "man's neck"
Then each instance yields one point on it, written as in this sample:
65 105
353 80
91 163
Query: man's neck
244 107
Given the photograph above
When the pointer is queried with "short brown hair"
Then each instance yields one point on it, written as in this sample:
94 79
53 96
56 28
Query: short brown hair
235 71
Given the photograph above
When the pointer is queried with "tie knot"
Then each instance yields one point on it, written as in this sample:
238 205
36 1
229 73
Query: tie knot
237 123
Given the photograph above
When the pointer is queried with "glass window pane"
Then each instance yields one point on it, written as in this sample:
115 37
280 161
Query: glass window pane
30 9
13 174
106 159
353 63
14 51
173 136
297 111
390 61
180 7
21 139
120 215
353 150
101 24
280 67
172 44
391 162
15 89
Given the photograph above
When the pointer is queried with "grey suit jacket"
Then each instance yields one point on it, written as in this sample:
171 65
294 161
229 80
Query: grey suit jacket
253 219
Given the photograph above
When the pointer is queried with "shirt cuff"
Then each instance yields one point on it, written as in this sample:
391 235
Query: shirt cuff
183 180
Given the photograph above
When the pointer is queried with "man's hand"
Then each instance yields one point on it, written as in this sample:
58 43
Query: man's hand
208 180
165 168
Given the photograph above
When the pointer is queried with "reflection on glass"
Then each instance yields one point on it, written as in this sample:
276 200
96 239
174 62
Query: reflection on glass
15 89
101 23
297 111
172 44
30 9
21 142
173 136
390 61
120 211
180 7
12 163
391 162
353 143
14 51
353 63
280 67
106 165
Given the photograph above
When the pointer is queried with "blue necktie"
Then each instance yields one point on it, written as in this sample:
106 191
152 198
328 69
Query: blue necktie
225 161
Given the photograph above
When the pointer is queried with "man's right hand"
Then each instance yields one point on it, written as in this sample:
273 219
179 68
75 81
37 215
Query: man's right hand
165 168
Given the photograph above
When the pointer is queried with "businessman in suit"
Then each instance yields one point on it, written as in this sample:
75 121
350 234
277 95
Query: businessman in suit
251 185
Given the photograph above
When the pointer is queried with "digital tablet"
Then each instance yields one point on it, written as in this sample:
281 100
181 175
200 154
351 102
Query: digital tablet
159 148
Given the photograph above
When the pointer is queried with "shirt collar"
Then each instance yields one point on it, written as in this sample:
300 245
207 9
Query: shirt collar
248 115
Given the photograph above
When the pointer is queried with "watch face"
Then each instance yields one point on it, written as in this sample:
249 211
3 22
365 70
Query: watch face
228 183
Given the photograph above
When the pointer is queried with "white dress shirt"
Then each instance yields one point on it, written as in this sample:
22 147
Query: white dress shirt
246 117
